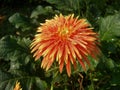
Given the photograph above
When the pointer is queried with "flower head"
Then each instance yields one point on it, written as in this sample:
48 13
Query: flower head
65 39
17 86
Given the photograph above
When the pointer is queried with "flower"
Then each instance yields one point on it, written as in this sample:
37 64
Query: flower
17 86
65 39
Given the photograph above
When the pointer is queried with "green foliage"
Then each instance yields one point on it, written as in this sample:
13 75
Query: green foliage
20 21
41 11
8 80
110 27
17 32
16 51
12 48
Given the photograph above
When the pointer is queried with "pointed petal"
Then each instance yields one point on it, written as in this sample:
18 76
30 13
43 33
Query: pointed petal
68 68
61 66
50 62
44 62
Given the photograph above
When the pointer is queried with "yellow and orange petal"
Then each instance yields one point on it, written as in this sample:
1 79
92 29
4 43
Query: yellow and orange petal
67 40
17 86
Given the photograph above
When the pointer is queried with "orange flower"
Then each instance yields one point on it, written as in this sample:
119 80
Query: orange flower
66 40
17 86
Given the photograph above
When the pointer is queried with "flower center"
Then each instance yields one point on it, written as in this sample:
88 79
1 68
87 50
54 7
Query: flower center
64 32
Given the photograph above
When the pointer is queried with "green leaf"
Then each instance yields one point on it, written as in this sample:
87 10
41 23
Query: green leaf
110 64
40 84
4 84
7 45
106 63
110 27
16 50
41 11
8 80
20 21
115 76
65 5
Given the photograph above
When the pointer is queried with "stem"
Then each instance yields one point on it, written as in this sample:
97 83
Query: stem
51 86
52 83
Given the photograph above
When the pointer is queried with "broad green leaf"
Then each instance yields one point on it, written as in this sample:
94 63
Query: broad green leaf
115 76
41 11
16 50
58 3
20 21
65 5
110 64
106 63
8 80
40 84
4 84
110 27
7 45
